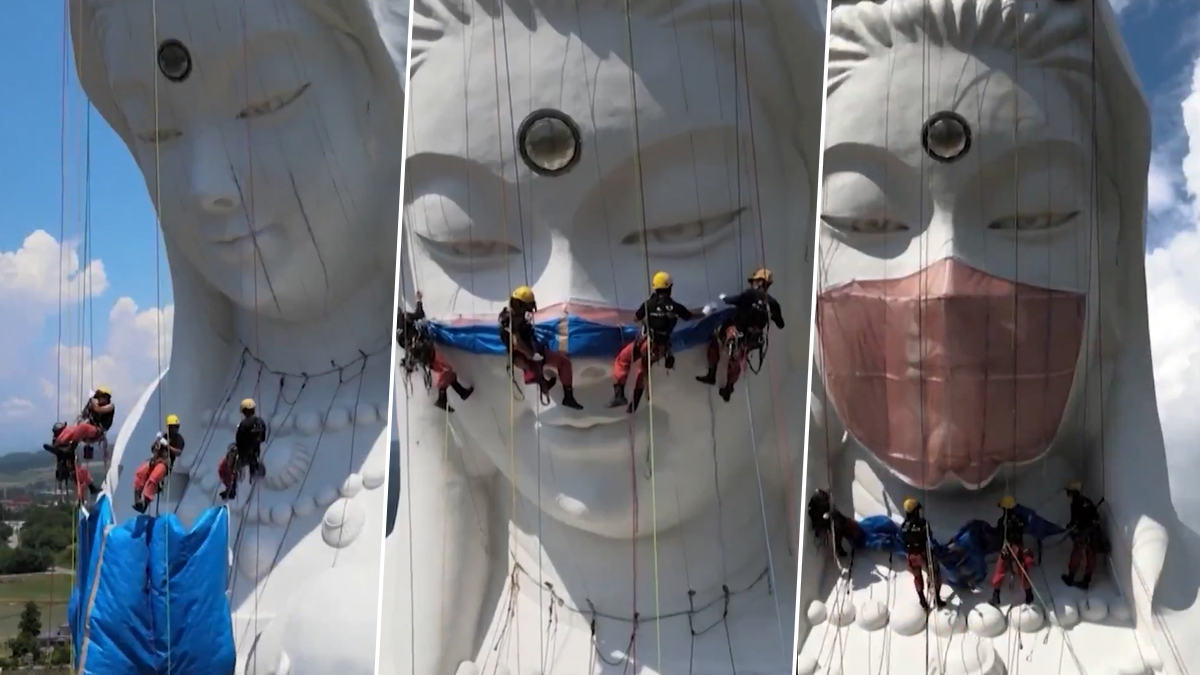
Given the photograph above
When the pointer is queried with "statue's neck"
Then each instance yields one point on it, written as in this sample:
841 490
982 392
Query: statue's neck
724 546
361 324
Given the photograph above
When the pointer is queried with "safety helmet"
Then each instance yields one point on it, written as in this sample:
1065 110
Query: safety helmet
523 294
764 275
103 391
1074 486
58 428
1007 502
172 420
911 504
661 281
248 404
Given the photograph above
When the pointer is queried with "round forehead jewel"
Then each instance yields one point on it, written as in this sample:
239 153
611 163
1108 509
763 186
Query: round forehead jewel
549 142
946 136
174 60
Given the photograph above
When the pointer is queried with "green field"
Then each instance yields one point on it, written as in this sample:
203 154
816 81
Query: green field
50 591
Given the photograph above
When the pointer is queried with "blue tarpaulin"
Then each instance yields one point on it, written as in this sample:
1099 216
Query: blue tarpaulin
963 557
149 597
572 335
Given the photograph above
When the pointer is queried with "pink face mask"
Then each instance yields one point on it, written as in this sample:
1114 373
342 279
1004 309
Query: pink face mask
950 370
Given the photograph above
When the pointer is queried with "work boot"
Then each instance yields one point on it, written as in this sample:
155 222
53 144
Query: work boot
669 362
93 489
726 392
941 604
464 393
1069 579
1029 596
1084 582
995 601
442 401
547 383
618 399
637 400
140 506
569 399
709 377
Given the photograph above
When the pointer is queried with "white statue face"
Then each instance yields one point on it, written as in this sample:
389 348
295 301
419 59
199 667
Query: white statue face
953 294
270 134
577 239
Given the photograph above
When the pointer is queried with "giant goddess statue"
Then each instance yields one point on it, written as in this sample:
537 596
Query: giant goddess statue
269 137
983 347
577 149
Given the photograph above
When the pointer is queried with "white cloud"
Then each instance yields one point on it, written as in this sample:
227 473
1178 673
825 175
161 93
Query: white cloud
139 341
41 381
41 272
1173 281
16 408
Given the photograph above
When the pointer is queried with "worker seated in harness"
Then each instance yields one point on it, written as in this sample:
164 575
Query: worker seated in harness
532 357
657 316
90 427
744 332
228 471
1015 559
412 335
828 523
918 548
1086 536
66 468
248 440
150 475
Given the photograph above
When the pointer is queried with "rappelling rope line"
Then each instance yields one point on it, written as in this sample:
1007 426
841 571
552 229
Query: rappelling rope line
350 462
211 427
512 451
640 194
161 384
299 490
762 503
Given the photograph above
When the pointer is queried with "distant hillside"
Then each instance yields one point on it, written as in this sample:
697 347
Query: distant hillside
26 468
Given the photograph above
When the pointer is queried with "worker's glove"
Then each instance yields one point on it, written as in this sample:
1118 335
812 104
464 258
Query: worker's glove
722 297
422 325
529 317
708 309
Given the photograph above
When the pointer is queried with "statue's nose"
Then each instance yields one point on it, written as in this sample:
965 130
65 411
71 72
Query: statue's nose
213 184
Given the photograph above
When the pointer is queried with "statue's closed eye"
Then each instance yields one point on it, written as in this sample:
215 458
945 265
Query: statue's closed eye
272 104
159 136
865 225
687 238
1033 222
470 252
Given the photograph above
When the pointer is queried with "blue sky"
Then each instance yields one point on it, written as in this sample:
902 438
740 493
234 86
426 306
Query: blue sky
1161 35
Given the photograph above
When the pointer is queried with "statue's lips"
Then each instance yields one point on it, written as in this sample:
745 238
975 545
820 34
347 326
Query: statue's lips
950 370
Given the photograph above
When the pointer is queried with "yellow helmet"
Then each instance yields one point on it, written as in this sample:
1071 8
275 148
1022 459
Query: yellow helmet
248 404
911 504
523 294
661 281
1074 486
172 420
764 275
103 390
1007 502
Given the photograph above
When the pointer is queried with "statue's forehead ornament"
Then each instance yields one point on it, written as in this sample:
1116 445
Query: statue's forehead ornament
946 136
174 60
549 142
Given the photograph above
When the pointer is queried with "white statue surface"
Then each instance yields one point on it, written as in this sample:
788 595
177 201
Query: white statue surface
529 537
983 332
270 138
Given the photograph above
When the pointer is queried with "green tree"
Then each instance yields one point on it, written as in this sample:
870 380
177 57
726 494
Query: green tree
31 620
28 630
